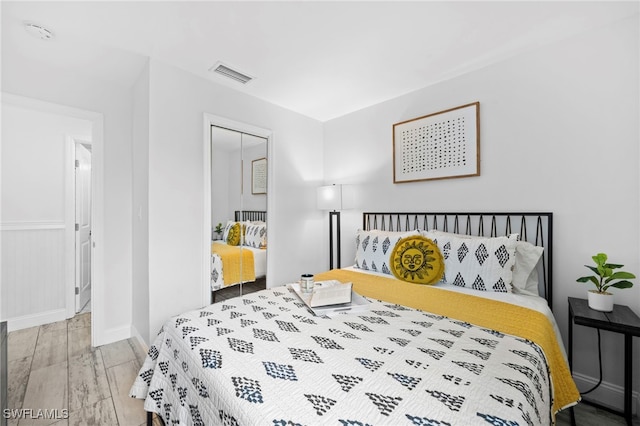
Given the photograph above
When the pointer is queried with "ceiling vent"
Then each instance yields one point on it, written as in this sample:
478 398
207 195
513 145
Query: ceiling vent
224 70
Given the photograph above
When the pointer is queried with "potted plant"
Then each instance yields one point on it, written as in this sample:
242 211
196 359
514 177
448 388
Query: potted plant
218 230
605 276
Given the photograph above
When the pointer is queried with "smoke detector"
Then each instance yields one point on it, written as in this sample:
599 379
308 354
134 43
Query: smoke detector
38 31
228 72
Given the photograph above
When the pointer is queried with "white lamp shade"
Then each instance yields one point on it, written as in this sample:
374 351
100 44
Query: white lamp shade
330 197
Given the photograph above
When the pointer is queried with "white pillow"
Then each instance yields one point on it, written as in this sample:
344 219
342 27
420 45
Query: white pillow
525 272
256 236
484 264
373 249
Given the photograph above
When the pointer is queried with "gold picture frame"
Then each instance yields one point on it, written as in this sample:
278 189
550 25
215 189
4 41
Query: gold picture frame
441 145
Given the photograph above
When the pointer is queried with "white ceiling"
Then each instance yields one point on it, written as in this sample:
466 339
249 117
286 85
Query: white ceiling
322 59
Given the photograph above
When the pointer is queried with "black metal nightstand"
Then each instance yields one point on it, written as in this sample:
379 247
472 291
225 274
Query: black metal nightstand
620 320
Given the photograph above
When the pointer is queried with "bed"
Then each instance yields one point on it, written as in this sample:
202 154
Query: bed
243 259
438 354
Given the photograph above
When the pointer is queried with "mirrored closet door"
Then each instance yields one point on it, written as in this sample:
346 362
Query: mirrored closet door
238 212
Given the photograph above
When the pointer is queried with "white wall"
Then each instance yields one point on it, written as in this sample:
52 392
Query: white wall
178 101
35 280
252 201
111 313
222 203
33 163
231 182
559 132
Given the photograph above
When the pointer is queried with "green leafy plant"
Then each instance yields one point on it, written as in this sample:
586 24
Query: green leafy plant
218 229
606 276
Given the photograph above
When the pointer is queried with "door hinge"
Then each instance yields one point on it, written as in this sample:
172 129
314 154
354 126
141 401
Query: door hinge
77 163
77 290
77 226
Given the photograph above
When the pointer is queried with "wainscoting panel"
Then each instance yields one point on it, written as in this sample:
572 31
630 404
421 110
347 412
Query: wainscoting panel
33 269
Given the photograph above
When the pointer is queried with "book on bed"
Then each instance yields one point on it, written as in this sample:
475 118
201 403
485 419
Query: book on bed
331 297
331 292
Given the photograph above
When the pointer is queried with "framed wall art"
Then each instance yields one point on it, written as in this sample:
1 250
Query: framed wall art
441 145
259 176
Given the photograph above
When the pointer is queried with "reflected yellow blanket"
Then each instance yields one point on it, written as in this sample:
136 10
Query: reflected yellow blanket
496 315
235 260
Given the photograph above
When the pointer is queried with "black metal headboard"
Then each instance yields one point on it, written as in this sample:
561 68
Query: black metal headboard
250 215
536 228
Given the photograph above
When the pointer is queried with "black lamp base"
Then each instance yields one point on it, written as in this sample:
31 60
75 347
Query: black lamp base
334 215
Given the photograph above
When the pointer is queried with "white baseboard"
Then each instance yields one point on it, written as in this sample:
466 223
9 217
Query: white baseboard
114 334
33 320
138 336
606 394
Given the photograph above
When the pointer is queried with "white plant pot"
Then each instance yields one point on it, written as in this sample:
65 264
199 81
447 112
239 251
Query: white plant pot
600 301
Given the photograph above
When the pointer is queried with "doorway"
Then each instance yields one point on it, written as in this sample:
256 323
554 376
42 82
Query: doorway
82 185
50 293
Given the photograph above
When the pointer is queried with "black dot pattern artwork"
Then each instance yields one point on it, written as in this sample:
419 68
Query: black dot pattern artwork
435 146
439 145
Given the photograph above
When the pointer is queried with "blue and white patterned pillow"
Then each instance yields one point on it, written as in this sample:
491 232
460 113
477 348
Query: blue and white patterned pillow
256 235
484 264
525 269
373 249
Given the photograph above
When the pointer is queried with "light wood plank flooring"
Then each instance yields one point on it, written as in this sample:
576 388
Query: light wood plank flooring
54 366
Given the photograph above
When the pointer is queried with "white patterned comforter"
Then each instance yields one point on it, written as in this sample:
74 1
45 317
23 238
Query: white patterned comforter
263 359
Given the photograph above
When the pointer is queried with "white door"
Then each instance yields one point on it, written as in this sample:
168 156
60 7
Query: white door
83 226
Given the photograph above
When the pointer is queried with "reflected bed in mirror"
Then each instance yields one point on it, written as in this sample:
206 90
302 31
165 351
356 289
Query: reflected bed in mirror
240 257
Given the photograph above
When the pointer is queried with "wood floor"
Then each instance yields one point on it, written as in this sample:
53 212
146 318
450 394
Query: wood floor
54 367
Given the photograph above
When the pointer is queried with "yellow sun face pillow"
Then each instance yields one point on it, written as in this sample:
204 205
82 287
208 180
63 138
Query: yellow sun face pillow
417 259
234 236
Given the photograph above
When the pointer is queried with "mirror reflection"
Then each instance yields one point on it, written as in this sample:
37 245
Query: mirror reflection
238 212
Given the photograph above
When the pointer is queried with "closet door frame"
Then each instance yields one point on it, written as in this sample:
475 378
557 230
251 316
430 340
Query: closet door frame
215 120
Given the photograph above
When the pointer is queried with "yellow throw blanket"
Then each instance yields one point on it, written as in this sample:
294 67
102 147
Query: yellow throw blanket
233 261
496 315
